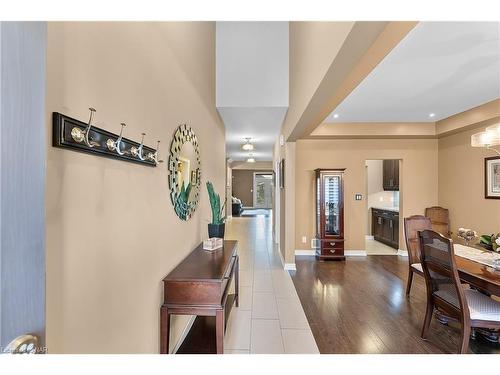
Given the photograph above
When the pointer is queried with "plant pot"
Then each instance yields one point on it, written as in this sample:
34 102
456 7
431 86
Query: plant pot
216 230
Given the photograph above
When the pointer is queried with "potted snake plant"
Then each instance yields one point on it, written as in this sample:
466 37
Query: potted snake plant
217 227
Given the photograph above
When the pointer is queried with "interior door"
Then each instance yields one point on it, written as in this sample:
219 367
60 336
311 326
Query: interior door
262 191
22 181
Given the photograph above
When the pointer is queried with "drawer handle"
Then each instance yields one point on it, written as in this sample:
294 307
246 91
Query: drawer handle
332 251
332 243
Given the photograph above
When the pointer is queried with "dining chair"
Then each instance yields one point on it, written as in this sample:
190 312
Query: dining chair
412 225
445 292
440 219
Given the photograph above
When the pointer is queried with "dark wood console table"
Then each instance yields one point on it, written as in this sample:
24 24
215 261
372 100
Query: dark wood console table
199 285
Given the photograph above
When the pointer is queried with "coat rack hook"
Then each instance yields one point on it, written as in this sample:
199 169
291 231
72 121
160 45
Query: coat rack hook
154 156
80 135
116 145
138 151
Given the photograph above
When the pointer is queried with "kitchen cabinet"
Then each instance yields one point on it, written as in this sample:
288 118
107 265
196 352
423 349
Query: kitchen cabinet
385 226
391 175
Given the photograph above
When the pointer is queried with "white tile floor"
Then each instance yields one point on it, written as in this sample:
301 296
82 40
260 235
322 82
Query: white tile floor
270 318
378 248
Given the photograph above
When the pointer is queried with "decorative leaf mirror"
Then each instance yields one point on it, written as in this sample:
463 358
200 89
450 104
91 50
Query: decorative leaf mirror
184 165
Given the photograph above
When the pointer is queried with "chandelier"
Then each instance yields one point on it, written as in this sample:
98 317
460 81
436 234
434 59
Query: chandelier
489 138
247 146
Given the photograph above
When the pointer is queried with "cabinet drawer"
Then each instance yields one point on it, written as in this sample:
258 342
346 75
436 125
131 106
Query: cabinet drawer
338 251
332 247
332 244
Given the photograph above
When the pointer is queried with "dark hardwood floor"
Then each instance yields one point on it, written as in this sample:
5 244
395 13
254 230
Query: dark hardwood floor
360 306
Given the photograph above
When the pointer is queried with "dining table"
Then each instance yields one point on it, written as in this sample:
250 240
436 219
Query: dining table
476 267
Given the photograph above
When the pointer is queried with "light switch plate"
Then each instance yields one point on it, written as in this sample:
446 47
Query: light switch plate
358 197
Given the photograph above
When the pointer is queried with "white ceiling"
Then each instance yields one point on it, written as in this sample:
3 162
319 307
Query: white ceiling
252 84
262 124
439 67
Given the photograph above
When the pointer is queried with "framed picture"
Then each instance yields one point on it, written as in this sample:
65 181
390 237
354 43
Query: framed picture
492 177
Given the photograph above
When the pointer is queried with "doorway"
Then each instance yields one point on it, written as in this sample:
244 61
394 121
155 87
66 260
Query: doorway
382 197
263 190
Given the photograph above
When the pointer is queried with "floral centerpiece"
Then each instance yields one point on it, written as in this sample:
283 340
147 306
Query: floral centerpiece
490 242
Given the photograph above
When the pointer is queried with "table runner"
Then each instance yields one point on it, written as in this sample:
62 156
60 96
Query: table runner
481 256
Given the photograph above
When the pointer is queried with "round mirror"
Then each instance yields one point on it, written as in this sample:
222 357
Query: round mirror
185 172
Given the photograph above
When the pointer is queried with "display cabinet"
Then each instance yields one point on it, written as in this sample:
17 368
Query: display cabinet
330 214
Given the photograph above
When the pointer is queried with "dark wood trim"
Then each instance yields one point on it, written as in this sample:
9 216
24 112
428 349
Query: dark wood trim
486 196
61 138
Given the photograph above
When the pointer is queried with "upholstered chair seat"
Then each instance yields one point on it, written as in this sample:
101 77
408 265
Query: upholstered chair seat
481 307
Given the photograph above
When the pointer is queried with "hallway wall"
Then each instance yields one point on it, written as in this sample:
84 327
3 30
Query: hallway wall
243 186
112 233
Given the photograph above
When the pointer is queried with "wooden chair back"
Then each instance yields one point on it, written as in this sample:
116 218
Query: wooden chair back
440 271
440 219
412 225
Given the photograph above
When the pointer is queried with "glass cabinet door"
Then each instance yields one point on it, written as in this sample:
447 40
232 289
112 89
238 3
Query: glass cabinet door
332 204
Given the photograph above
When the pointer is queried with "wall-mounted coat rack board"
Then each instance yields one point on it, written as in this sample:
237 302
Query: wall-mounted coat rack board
76 135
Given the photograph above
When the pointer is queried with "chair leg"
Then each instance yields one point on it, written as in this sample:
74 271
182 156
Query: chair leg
464 346
408 283
427 319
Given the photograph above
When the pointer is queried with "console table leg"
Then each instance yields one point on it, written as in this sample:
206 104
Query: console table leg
164 330
237 282
219 331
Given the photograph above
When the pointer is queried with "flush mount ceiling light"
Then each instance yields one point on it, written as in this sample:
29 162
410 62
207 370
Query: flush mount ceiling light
335 115
432 115
488 138
250 159
247 146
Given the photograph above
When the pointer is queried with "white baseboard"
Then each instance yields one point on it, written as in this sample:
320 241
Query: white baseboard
305 252
184 333
402 253
355 253
290 267
369 237
286 266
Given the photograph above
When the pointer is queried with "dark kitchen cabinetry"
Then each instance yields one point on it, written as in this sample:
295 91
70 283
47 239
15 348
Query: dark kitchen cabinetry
391 175
330 214
385 227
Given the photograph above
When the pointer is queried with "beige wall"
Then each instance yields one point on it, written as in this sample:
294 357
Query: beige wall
418 176
112 234
313 46
461 184
243 186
